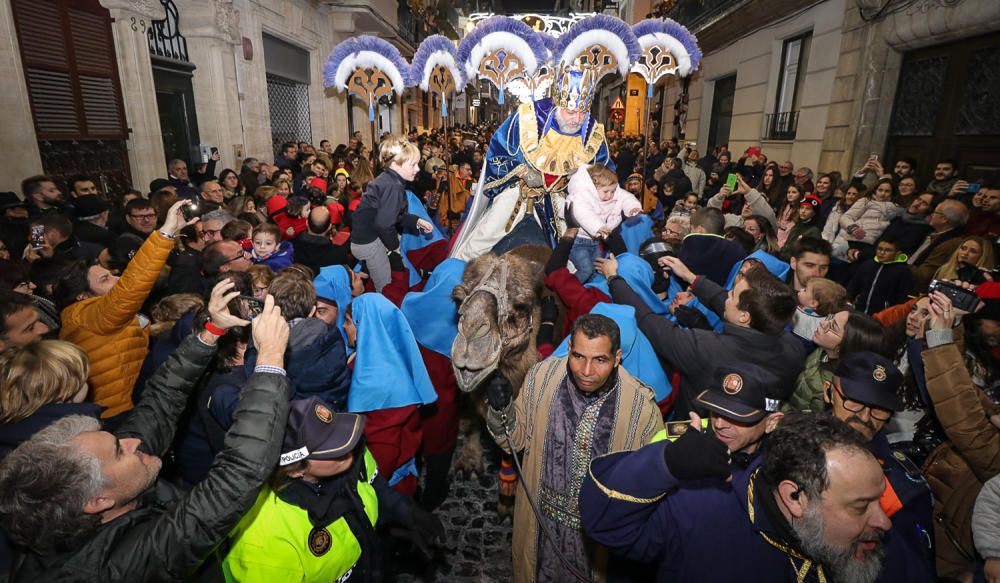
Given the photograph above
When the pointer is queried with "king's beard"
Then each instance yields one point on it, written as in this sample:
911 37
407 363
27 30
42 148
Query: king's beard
839 565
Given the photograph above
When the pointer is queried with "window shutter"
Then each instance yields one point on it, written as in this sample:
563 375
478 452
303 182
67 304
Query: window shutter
68 56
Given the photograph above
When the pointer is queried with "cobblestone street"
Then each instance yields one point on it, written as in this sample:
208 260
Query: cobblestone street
478 544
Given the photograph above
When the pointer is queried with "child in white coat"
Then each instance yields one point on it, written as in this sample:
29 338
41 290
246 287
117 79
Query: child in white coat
598 205
867 218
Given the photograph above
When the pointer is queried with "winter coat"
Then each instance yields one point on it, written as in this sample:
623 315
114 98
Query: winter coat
637 420
799 230
318 251
697 177
280 259
593 214
758 204
871 215
876 286
696 353
957 469
808 393
108 330
382 210
831 228
171 533
926 264
710 255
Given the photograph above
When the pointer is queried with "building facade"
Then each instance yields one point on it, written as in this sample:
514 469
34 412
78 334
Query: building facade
826 84
116 88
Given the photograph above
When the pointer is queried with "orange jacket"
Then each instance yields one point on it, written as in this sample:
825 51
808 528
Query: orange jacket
107 329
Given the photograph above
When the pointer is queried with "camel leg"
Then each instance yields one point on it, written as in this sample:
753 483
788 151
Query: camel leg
470 459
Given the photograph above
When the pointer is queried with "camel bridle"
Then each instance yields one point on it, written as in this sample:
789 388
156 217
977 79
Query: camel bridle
497 289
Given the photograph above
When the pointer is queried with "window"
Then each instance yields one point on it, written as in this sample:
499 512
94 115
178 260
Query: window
781 125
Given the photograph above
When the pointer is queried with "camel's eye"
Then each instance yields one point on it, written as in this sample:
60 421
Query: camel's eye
522 307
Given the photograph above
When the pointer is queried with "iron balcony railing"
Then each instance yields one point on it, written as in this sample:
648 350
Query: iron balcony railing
781 126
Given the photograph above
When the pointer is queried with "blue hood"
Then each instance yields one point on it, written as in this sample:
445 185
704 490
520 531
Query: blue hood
388 369
334 284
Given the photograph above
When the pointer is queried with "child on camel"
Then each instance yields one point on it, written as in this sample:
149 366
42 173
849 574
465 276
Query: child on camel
597 204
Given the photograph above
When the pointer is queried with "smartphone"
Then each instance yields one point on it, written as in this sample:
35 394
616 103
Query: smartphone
961 298
873 157
214 150
37 236
973 187
252 307
731 181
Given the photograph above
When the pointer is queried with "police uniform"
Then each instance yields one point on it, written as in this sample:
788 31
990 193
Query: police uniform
321 531
871 379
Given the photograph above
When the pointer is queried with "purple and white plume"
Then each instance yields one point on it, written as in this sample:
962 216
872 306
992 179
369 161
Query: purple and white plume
494 40
672 37
607 31
433 51
366 52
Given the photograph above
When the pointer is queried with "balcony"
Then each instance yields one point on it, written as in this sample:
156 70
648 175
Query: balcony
781 126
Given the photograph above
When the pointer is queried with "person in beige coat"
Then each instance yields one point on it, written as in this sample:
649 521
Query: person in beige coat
569 411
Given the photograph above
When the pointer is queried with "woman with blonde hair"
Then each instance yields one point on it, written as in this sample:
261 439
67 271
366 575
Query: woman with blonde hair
969 262
39 384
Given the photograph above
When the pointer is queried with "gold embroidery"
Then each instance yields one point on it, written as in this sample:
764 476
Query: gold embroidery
616 495
555 153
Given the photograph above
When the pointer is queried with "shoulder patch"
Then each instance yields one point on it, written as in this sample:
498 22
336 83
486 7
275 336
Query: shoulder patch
319 541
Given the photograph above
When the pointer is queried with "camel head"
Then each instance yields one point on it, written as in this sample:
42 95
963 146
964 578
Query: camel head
498 300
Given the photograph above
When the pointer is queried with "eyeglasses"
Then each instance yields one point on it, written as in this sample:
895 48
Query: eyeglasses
242 255
210 232
853 406
143 217
831 325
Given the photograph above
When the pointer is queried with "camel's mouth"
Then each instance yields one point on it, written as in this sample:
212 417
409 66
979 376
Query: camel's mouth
468 380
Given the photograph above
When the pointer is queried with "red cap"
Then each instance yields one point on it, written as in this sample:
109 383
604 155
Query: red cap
812 201
276 204
317 182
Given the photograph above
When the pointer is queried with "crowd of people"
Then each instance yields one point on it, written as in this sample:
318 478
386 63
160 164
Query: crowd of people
246 373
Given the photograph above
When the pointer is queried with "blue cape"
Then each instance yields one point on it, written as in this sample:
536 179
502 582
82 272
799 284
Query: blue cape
432 313
334 283
636 230
639 275
409 241
638 356
388 369
598 282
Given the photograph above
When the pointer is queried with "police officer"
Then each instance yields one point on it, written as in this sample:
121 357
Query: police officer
863 394
740 411
316 521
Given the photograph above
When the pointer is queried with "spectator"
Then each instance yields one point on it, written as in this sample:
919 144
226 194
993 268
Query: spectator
41 195
100 315
867 218
756 311
819 299
212 191
230 183
803 179
985 519
807 223
947 221
945 177
705 251
212 224
177 177
20 325
969 262
541 423
59 240
598 205
808 259
90 222
831 227
39 384
223 257
140 221
985 218
269 249
750 166
314 247
910 228
638 502
762 231
67 485
788 212
18 277
883 280
250 175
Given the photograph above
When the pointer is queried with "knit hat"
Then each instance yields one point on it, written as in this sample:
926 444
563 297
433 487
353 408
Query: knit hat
317 182
343 171
812 201
276 204
989 293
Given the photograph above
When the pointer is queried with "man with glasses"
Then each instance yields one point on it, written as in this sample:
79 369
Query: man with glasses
212 224
223 257
947 223
140 221
863 395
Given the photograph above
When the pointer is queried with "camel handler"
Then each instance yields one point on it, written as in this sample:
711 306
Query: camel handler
527 167
582 406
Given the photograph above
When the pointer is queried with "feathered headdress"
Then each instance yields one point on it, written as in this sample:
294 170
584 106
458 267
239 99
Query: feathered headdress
667 49
530 88
501 49
604 43
368 67
435 68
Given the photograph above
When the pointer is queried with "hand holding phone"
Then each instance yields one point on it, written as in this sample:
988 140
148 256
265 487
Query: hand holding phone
731 181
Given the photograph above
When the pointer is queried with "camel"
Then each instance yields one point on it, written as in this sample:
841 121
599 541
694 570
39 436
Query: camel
499 302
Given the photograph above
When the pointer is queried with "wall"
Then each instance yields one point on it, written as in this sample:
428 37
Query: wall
756 60
17 140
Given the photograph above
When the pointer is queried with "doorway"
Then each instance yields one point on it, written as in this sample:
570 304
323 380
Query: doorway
722 112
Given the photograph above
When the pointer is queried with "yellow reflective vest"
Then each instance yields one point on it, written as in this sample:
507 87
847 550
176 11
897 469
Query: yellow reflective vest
276 541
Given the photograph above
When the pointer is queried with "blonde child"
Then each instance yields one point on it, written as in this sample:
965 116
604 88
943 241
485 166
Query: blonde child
597 204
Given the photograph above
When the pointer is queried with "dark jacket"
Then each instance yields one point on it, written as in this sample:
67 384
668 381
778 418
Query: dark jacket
185 272
876 286
711 255
933 257
14 434
909 233
92 233
689 531
382 210
169 535
317 251
74 248
696 353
